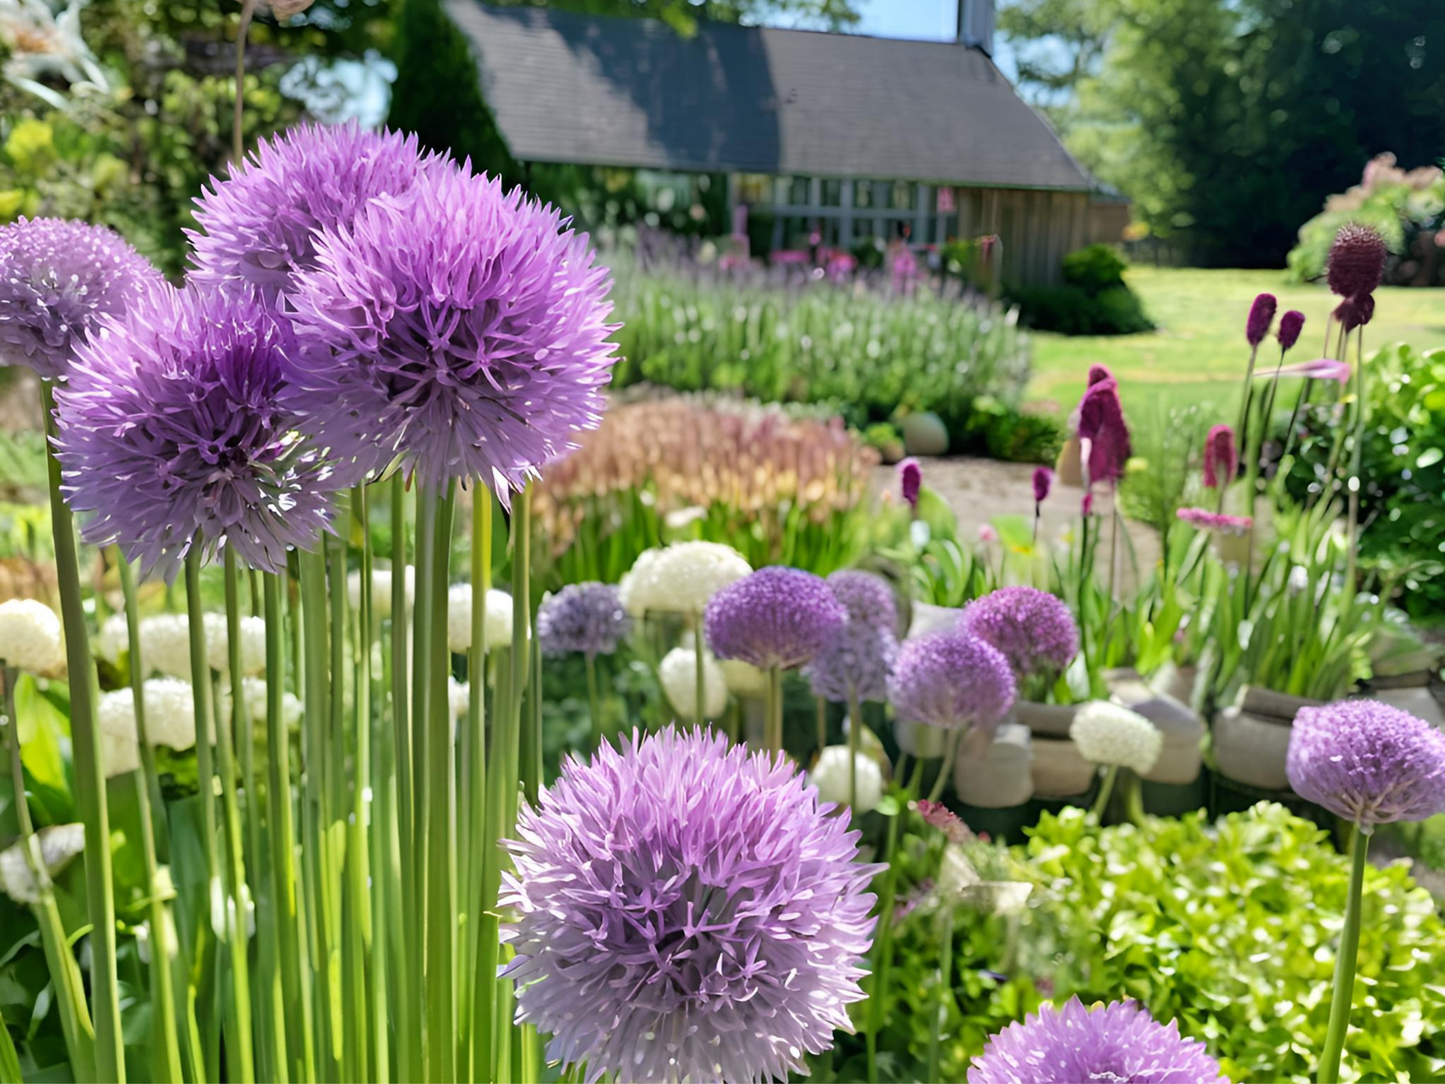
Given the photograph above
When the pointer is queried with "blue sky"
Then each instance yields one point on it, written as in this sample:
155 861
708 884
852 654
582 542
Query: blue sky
929 20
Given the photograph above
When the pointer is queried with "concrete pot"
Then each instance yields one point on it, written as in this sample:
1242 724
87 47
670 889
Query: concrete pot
1410 692
1001 778
924 434
1181 759
918 740
1177 681
930 618
1045 720
1059 770
1251 739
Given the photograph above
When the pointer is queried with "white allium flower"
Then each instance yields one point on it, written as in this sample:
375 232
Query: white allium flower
30 636
459 694
114 638
498 626
380 590
59 843
678 674
254 689
743 678
830 776
165 644
170 721
680 578
1112 735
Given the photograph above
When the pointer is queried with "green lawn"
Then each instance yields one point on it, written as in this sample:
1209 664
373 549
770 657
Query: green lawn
1198 352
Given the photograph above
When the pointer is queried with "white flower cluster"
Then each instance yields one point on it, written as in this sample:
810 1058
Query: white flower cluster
680 578
497 626
58 845
165 644
113 639
30 637
744 679
1112 735
678 674
830 776
459 694
254 691
381 584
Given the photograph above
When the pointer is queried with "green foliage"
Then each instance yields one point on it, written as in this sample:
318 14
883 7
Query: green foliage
1094 268
1094 299
1166 453
1001 430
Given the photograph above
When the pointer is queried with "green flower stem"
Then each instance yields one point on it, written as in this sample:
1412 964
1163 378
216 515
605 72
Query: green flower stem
426 510
521 634
699 711
474 775
820 719
940 1005
950 753
148 800
1355 481
89 772
1106 789
883 938
594 700
1343 993
773 728
855 743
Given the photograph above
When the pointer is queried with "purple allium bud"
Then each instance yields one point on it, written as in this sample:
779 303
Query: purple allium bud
57 279
1118 1041
1221 458
582 618
460 327
1043 481
1367 762
1356 260
686 910
1290 326
774 617
1033 629
1101 422
1098 374
910 480
858 657
259 227
1261 315
172 425
951 680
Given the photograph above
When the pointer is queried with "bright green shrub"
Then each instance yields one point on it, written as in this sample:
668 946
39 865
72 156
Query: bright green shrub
1094 268
1093 300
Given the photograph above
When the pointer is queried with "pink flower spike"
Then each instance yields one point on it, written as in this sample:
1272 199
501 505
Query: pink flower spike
1319 369
1221 459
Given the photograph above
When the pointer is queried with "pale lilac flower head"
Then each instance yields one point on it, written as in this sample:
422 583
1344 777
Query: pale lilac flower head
1221 459
1356 260
1367 762
1116 1042
1261 315
951 680
775 617
57 279
460 327
867 598
1043 481
171 425
582 618
686 910
1290 326
1033 629
859 655
259 227
910 480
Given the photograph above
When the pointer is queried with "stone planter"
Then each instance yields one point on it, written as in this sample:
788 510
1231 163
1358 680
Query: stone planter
1251 739
1059 770
1414 693
1001 777
1177 681
1045 720
1181 759
930 618
918 740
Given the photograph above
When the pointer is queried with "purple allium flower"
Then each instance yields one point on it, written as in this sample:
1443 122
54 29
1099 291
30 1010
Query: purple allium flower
1033 629
1221 458
867 598
1290 326
57 279
910 480
259 227
1119 1041
950 680
687 910
1356 260
1261 315
460 327
1101 422
171 425
774 617
582 618
1367 762
858 656
1043 482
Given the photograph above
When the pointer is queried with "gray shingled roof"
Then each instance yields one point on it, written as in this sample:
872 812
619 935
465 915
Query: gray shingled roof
632 92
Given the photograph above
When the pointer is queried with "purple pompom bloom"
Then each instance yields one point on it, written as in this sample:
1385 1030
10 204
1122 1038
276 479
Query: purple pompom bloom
1033 629
775 617
867 598
910 480
687 910
1118 1041
57 279
1221 458
858 657
582 618
170 425
951 680
1356 261
460 327
259 227
1043 482
1261 315
1290 326
1367 762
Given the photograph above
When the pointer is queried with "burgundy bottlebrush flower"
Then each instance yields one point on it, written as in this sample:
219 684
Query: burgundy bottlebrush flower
1086 505
1205 520
582 618
1367 762
459 327
950 680
1033 629
1043 481
686 910
1221 458
1101 423
259 227
1098 374
910 480
858 656
775 617
1356 260
1290 326
57 279
171 425
1261 315
1118 1041
1355 312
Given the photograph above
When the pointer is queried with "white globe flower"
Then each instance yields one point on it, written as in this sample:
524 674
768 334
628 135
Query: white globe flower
678 674
381 584
114 638
1115 736
830 776
459 695
165 644
743 678
254 691
630 587
30 636
681 578
58 845
497 626
170 721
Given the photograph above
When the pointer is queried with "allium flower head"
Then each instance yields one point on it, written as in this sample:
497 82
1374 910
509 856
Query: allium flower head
1261 315
582 618
1367 762
830 776
170 426
380 590
1118 1042
687 910
680 578
170 721
57 279
1115 736
1221 458
775 617
497 625
951 680
58 844
259 227
165 644
1356 260
856 661
678 675
1032 628
30 636
867 598
743 678
1355 312
1101 422
1043 481
910 480
1290 326
459 327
